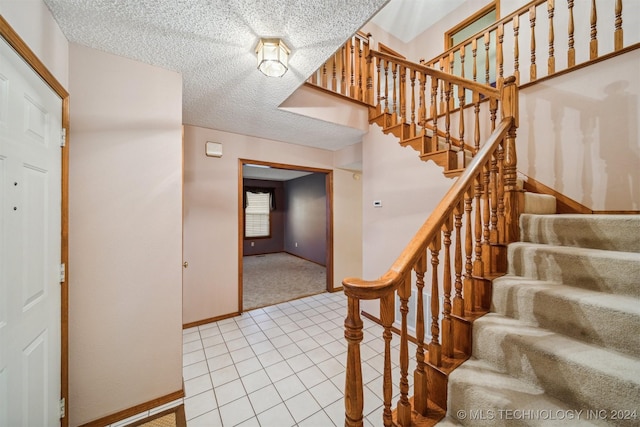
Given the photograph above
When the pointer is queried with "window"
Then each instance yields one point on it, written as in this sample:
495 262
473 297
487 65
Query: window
257 213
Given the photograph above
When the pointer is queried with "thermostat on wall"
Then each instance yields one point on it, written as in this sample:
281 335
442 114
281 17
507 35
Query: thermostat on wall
377 203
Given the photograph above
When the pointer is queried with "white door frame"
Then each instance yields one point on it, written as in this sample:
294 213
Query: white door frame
14 40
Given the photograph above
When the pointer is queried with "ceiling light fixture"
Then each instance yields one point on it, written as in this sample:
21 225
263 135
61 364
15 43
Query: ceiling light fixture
273 57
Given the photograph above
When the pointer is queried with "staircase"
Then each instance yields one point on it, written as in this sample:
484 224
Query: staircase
561 343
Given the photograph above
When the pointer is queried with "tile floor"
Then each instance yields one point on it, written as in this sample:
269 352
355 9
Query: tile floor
281 366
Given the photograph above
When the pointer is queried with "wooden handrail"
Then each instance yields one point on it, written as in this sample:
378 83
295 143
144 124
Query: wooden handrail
375 289
490 181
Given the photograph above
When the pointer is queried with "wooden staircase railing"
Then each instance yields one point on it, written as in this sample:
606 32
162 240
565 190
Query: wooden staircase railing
542 38
470 227
417 104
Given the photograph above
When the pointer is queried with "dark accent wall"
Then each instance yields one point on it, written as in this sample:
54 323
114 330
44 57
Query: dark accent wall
276 242
306 217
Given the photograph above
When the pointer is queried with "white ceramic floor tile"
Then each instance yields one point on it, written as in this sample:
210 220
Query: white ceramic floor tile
224 375
210 419
276 416
319 419
195 370
237 343
335 411
232 335
331 367
251 422
192 336
326 393
300 362
307 344
229 392
289 387
197 385
241 354
311 376
191 346
211 332
256 338
302 406
262 347
193 357
248 366
290 350
215 350
269 358
278 371
318 355
236 412
199 404
264 399
211 341
255 381
274 332
219 362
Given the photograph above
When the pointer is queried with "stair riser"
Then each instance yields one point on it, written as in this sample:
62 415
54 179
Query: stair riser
544 306
578 385
603 271
608 232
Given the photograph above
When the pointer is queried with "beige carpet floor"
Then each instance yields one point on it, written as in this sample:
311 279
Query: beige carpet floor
273 278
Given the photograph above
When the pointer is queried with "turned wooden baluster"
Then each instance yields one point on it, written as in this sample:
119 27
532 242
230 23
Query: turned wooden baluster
448 95
487 39
434 115
486 208
378 75
509 96
422 111
369 96
447 323
462 54
404 407
500 184
474 53
353 394
420 375
442 64
551 62
499 55
478 265
323 78
458 301
476 120
334 73
435 350
412 126
516 48
357 55
461 101
571 53
387 317
343 71
532 23
468 250
493 233
386 87
361 69
394 114
618 34
593 43
403 94
352 68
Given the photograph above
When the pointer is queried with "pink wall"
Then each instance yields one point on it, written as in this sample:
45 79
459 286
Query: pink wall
211 215
125 316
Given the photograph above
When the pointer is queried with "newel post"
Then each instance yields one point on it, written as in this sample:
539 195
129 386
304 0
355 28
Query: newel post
353 394
509 95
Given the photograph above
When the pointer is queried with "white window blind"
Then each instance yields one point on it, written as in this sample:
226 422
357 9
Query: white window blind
256 215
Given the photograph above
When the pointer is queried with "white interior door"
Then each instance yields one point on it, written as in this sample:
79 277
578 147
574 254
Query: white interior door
30 209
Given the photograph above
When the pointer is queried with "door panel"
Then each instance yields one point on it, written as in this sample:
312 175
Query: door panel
30 241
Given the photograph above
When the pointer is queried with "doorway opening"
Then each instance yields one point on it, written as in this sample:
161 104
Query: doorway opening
285 233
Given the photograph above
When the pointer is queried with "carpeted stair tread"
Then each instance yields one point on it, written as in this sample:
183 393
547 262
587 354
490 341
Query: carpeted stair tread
595 269
583 375
539 204
481 395
609 232
608 320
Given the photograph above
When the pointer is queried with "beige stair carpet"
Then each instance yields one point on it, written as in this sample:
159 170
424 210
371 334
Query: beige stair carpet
561 345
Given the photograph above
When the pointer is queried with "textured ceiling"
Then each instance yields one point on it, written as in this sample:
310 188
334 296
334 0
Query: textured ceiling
212 44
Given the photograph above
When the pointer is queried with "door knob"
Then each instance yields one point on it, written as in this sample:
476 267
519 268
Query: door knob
185 264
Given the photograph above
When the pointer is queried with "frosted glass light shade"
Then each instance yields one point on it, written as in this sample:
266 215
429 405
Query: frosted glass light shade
273 57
